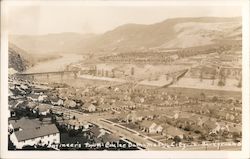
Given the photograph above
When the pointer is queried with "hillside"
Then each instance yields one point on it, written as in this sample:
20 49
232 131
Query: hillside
19 60
171 33
51 43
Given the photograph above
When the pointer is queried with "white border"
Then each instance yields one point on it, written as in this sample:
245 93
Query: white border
131 154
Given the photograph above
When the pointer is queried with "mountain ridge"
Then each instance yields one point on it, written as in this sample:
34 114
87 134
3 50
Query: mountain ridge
170 33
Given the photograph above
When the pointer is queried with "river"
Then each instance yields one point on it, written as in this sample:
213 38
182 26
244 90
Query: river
58 64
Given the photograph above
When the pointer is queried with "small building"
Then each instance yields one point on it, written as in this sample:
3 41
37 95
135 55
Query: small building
89 107
31 106
27 132
56 101
75 124
43 109
33 97
104 107
42 98
171 132
151 127
96 132
70 104
133 117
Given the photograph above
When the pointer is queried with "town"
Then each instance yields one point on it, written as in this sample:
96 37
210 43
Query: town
107 111
172 85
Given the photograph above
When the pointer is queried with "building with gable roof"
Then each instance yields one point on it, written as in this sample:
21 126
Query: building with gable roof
27 132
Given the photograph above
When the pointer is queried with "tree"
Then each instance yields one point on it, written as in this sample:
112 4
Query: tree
202 96
50 111
235 136
212 112
53 119
214 99
187 127
40 118
177 140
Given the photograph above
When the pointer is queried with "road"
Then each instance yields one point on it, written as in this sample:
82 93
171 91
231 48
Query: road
119 130
147 142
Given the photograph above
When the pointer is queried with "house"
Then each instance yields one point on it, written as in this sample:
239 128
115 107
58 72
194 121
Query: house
116 89
70 104
22 105
75 124
216 129
138 100
158 129
133 117
14 103
200 122
27 132
104 107
11 113
31 106
24 87
33 97
101 100
171 132
10 93
42 98
176 115
96 132
150 127
107 138
43 109
102 136
219 127
89 107
56 101
59 120
16 97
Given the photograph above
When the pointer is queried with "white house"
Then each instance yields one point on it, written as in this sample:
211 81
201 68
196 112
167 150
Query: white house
41 98
219 127
26 132
33 97
89 107
70 104
75 124
176 115
44 109
151 127
58 102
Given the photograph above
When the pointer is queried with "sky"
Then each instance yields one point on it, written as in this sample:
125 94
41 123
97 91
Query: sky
45 19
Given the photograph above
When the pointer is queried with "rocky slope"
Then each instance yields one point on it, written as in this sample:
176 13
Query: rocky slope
19 60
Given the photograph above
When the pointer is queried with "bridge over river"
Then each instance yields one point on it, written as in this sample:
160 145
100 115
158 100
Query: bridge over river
47 75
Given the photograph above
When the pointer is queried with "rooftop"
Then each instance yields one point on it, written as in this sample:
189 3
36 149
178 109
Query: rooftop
31 129
35 132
